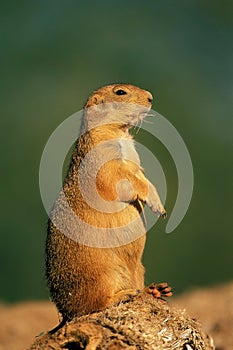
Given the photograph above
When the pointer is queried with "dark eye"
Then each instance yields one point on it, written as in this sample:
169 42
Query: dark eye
120 92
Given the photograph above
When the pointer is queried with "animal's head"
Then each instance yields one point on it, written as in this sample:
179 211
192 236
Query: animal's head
122 104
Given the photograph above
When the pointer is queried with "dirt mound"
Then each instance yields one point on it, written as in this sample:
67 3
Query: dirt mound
139 322
21 323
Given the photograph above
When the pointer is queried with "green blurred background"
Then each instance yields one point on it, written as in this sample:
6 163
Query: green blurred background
53 54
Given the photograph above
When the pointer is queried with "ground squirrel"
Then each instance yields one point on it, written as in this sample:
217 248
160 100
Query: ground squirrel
93 252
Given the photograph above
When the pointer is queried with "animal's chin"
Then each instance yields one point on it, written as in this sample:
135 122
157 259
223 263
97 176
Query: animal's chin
138 118
135 119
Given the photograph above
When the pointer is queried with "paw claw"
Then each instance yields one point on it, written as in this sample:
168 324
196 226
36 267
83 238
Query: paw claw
164 214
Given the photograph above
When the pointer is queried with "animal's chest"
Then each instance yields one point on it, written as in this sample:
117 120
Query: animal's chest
128 151
120 148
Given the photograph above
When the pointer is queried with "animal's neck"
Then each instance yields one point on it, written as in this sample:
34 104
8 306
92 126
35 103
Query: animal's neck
108 132
88 139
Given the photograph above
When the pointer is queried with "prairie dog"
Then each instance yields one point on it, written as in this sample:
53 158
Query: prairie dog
96 233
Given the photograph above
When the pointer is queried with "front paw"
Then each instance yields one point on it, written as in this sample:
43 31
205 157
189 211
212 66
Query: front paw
159 209
162 212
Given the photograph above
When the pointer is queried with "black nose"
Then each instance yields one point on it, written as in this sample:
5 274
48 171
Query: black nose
149 99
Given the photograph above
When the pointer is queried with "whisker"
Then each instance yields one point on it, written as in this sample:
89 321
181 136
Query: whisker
148 122
140 125
135 126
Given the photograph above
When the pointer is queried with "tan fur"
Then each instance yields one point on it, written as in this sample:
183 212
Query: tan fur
84 278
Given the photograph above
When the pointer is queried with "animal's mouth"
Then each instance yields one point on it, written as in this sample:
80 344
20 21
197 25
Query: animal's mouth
143 113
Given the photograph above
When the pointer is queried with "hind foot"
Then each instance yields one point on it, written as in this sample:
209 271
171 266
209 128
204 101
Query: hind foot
159 291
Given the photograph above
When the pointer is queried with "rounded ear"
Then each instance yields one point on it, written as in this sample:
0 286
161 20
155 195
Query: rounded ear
93 100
